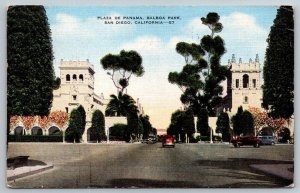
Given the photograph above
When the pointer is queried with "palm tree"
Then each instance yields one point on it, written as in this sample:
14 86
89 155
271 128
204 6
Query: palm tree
121 105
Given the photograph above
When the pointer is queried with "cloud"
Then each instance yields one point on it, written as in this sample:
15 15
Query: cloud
70 26
241 33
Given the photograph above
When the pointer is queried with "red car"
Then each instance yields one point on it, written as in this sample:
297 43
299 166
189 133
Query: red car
250 140
167 140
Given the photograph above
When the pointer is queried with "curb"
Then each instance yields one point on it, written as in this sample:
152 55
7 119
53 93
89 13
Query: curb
21 175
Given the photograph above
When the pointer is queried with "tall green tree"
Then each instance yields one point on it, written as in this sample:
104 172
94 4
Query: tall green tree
81 110
30 74
247 123
202 123
237 121
278 71
202 73
243 122
98 125
147 127
223 126
121 66
74 132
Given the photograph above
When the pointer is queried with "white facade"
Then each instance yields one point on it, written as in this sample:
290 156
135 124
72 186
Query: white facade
243 85
246 84
76 88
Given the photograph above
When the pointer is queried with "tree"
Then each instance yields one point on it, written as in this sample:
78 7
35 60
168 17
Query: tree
81 110
122 66
120 105
247 123
243 122
182 122
135 126
146 126
223 126
202 123
74 132
30 74
119 131
261 119
237 121
278 71
200 78
98 124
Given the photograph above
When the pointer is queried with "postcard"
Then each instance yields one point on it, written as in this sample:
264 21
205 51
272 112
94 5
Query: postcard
150 96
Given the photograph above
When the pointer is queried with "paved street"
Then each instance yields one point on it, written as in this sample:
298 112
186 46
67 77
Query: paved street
149 165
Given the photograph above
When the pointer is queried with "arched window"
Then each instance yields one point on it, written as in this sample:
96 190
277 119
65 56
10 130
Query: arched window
237 83
246 99
81 77
74 77
68 77
245 81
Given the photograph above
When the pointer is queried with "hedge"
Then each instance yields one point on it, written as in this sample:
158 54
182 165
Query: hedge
35 138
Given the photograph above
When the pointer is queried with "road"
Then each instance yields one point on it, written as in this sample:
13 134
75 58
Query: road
150 165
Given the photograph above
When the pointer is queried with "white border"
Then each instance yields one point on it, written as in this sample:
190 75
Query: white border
4 4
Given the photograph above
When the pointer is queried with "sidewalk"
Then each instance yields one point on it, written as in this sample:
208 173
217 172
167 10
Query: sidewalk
20 172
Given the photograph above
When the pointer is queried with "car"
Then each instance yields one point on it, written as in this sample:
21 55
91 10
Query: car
151 140
267 140
246 140
167 140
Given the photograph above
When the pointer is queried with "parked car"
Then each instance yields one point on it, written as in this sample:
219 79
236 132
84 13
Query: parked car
168 140
267 140
247 140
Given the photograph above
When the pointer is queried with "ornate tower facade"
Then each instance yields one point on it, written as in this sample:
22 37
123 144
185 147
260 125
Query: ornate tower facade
244 84
77 88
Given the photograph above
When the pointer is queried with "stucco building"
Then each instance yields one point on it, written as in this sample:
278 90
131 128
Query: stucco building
243 85
77 88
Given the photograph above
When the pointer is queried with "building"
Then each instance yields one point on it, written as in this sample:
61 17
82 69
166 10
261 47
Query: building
244 89
243 85
77 88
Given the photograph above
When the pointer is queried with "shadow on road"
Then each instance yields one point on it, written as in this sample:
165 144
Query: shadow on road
147 183
240 169
13 163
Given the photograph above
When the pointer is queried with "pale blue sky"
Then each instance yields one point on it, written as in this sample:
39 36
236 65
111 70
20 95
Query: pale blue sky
78 35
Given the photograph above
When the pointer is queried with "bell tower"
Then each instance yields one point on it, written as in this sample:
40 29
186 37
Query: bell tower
244 84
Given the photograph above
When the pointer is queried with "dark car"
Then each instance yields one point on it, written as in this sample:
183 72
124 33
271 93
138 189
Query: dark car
249 140
168 140
151 139
267 140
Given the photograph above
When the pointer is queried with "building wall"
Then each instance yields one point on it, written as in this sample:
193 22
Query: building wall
75 92
245 95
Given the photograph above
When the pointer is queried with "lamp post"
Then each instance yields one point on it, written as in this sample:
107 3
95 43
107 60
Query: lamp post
211 141
107 134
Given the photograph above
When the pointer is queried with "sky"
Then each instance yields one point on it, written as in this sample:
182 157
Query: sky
79 34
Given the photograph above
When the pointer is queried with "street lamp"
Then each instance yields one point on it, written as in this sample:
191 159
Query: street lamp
107 134
211 141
